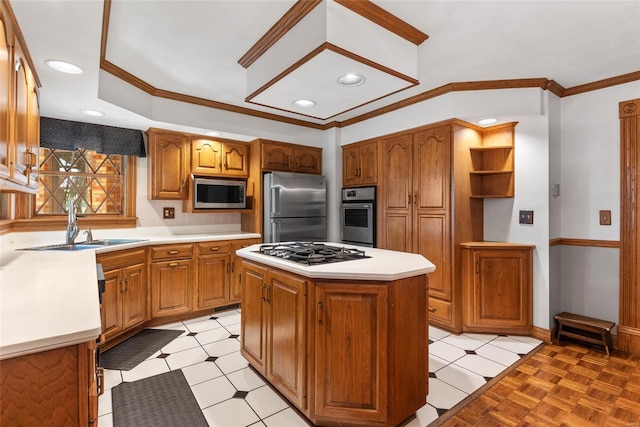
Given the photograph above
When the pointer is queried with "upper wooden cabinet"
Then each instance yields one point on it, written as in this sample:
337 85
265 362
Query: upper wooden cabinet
19 111
493 171
281 156
219 157
360 164
168 165
497 287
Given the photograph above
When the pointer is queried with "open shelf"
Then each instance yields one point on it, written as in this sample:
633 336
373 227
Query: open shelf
492 172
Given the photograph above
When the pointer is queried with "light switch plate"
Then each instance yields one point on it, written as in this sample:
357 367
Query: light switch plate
526 217
605 217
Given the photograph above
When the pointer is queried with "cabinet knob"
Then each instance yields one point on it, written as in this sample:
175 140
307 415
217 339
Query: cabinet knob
173 264
173 252
432 310
214 249
319 312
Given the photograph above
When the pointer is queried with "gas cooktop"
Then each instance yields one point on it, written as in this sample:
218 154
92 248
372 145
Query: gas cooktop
311 253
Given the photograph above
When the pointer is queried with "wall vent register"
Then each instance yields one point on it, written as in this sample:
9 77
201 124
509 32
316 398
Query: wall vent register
311 253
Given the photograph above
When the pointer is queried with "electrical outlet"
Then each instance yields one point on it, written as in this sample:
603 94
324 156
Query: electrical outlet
605 217
168 213
526 217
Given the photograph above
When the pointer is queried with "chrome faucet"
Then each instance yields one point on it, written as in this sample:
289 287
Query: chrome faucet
72 221
89 234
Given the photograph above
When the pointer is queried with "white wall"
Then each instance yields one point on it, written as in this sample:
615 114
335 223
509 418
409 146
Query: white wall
555 205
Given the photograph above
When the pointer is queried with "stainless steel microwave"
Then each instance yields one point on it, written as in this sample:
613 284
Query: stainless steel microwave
210 193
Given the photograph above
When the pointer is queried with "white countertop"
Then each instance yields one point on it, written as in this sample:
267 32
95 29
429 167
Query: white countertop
384 265
49 299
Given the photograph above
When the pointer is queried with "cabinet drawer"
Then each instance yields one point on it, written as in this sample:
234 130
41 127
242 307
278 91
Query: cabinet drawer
213 247
121 259
439 310
171 252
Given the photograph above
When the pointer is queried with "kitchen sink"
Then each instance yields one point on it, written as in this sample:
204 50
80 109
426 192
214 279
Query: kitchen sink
82 245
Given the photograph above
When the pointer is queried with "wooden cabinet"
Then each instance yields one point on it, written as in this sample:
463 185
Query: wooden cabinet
19 111
219 157
214 269
493 172
124 302
360 164
168 165
281 156
235 279
172 279
273 328
54 388
427 202
497 287
351 345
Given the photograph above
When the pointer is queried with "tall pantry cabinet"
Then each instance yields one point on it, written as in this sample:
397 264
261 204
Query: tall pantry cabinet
425 206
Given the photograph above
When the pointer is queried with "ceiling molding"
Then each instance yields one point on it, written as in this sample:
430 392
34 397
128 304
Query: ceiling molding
5 9
385 19
279 29
601 84
542 83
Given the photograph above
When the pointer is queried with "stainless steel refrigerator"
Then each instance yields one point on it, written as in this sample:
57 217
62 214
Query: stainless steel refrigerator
295 207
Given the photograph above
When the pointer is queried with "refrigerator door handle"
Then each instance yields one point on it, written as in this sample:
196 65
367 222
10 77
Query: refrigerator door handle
275 231
275 200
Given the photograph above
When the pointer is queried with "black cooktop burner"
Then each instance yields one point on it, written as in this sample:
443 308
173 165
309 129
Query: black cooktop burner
311 253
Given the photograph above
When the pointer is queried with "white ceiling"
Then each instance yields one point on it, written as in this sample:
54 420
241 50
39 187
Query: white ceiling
193 47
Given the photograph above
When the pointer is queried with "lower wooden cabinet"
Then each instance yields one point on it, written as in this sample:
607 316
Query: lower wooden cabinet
52 388
235 278
343 352
214 267
497 287
172 279
275 302
124 302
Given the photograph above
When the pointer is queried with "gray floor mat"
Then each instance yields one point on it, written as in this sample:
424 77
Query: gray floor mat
130 353
163 400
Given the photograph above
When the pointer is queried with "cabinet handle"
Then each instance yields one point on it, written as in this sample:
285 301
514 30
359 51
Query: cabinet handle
173 264
319 312
264 287
121 286
100 380
126 282
432 310
226 165
173 252
240 278
233 264
415 198
215 249
477 266
268 296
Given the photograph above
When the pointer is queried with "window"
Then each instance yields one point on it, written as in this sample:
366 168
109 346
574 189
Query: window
98 180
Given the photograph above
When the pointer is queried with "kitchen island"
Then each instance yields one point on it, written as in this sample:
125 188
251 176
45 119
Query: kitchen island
345 342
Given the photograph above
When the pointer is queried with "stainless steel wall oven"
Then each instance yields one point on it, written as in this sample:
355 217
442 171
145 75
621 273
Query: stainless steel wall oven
358 216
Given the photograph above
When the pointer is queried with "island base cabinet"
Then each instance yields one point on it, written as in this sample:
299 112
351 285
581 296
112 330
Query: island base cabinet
51 388
351 352
273 329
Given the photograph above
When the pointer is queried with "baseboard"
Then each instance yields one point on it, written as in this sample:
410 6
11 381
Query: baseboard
628 339
545 335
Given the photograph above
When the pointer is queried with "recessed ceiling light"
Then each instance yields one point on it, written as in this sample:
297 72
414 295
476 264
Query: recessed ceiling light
64 67
487 121
94 113
351 80
213 133
304 103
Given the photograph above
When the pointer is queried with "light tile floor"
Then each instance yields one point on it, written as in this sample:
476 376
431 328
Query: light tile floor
230 394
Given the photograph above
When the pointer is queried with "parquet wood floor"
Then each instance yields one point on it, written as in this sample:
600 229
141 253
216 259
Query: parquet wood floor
560 385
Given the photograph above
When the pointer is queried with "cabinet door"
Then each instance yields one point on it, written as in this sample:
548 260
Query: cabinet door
168 166
5 93
432 168
307 160
33 136
350 166
497 291
397 197
432 240
111 308
277 157
134 296
254 328
213 280
171 287
287 338
235 159
235 278
351 346
21 124
206 157
369 163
